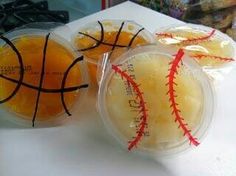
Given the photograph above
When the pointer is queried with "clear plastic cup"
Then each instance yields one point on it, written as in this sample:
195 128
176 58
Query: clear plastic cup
29 97
149 98
96 38
213 50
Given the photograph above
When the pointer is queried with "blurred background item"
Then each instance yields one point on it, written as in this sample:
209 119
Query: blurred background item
219 14
232 31
109 3
15 13
220 19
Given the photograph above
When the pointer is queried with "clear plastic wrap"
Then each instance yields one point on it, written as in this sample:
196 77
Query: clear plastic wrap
155 103
214 51
41 77
97 38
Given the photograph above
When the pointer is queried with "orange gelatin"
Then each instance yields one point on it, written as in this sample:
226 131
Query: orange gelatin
58 59
83 43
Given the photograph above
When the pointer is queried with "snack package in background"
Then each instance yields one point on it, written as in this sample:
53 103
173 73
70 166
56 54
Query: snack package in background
157 5
41 78
177 8
174 8
155 103
214 51
232 31
211 5
221 19
97 38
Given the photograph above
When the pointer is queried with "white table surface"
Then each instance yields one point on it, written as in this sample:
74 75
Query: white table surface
84 148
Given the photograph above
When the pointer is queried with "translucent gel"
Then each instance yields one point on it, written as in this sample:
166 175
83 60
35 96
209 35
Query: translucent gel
150 71
215 45
110 37
58 59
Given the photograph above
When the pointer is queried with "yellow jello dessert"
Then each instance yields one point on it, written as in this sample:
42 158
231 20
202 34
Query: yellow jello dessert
100 37
209 47
155 103
30 101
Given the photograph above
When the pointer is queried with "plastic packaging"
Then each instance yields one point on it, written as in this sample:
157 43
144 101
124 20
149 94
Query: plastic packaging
232 31
41 77
97 38
158 5
155 103
221 19
211 5
214 51
177 8
181 9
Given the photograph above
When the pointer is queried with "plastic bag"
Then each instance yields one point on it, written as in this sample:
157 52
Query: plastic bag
221 19
232 31
211 5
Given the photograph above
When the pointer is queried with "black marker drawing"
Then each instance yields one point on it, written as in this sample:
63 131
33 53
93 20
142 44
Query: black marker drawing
40 88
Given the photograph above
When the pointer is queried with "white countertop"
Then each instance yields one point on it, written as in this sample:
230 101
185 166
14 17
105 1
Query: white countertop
84 148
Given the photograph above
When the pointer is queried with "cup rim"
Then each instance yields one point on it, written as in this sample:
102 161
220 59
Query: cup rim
147 34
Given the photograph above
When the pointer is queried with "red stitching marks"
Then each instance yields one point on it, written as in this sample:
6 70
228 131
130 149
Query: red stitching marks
165 35
142 106
201 56
200 39
174 65
191 40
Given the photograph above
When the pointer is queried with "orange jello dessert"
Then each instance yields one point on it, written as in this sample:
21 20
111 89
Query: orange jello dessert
105 36
58 58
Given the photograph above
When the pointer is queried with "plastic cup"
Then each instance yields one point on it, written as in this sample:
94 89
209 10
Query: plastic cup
97 38
40 78
148 99
209 47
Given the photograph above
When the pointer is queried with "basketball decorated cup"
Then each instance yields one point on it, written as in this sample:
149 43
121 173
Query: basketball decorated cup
41 76
97 38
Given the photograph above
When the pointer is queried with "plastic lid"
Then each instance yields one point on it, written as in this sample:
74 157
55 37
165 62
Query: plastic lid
209 47
155 103
41 79
97 38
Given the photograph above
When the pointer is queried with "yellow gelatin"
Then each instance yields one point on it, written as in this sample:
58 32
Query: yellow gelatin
123 103
91 46
208 47
57 60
